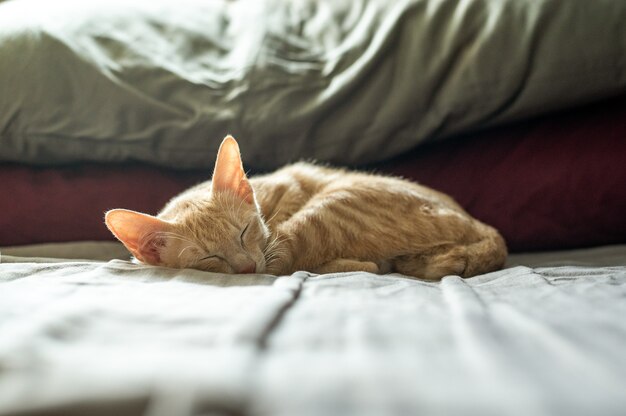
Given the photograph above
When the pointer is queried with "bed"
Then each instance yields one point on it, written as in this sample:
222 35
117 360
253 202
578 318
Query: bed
544 336
514 108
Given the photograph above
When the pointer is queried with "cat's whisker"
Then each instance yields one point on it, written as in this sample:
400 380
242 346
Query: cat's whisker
273 245
269 247
273 251
177 236
183 250
273 216
237 213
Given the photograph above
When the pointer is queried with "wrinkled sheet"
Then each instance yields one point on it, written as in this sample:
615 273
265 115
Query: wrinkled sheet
117 338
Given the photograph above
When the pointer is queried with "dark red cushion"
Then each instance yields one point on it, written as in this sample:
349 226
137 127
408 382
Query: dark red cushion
551 183
42 205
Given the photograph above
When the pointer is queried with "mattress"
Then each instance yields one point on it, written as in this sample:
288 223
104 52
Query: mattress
545 336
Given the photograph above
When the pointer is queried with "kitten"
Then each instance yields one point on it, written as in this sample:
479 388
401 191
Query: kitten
308 217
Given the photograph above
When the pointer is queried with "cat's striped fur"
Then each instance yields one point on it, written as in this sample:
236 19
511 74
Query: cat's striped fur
308 217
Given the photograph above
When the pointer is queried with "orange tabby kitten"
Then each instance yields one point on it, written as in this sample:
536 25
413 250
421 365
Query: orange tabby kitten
308 217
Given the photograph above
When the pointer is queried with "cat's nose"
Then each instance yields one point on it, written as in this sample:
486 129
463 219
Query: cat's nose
247 268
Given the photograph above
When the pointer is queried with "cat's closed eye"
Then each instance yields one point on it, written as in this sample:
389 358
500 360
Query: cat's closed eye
211 263
251 234
212 257
243 234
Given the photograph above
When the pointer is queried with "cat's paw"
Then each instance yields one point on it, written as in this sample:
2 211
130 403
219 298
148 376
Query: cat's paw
347 265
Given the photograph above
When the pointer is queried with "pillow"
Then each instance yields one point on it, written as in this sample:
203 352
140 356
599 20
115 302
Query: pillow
162 82
552 183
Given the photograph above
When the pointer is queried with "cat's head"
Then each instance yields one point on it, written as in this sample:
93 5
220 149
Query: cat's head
217 228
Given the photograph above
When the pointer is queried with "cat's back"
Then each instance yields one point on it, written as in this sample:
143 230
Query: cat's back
304 174
293 186
306 180
289 188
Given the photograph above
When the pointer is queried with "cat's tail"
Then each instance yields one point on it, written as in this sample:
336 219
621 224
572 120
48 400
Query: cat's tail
466 260
486 255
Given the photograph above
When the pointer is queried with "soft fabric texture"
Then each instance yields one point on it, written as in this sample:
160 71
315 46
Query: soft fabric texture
341 81
124 339
552 183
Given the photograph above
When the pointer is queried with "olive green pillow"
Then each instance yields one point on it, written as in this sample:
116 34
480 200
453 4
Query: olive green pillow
343 81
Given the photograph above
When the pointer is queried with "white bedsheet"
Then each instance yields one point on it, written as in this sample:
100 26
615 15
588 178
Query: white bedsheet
117 338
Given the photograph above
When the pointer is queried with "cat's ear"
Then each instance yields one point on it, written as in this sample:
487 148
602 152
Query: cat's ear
229 174
142 234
